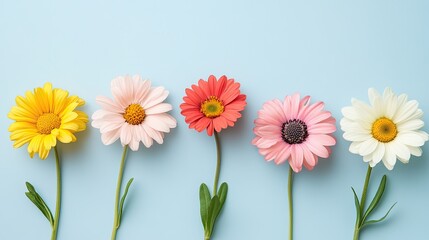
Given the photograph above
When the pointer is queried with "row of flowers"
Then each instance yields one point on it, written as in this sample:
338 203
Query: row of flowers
293 130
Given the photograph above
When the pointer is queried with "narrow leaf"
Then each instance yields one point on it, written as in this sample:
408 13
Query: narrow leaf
357 206
121 204
204 204
223 191
30 187
38 201
375 201
214 210
379 220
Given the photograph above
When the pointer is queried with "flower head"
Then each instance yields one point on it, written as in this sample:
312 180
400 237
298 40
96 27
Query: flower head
44 116
386 130
213 105
294 130
136 114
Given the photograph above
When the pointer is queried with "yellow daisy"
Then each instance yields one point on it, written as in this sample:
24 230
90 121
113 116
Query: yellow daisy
43 116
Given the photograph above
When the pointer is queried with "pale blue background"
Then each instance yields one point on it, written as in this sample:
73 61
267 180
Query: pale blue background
332 50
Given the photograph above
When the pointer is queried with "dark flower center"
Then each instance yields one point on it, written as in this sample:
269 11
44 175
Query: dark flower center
294 131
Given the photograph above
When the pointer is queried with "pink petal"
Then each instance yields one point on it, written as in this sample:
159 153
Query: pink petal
155 96
297 158
108 105
220 123
159 108
110 137
315 147
220 86
284 154
146 139
126 134
121 91
321 128
140 89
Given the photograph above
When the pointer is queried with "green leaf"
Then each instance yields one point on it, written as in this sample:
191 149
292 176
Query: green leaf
378 220
375 201
357 205
223 191
121 204
38 201
214 210
204 204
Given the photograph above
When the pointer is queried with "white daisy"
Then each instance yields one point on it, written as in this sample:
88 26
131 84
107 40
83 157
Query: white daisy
387 129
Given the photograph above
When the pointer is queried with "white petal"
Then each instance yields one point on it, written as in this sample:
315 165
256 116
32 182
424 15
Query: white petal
408 111
389 158
354 147
411 138
350 113
400 150
367 147
367 158
411 125
378 153
415 151
391 103
352 136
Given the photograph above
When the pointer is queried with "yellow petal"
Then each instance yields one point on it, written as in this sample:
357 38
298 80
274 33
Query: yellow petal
21 126
60 100
68 117
68 108
23 140
65 136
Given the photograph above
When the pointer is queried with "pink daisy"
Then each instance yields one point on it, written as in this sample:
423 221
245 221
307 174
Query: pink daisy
213 105
294 130
136 114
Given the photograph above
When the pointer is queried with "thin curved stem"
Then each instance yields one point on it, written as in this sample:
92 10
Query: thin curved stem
290 184
362 203
365 189
118 191
58 199
219 152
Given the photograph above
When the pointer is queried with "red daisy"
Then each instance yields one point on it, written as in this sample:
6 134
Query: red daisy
213 104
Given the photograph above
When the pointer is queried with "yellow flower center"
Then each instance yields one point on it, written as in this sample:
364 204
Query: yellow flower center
48 122
384 130
134 114
212 107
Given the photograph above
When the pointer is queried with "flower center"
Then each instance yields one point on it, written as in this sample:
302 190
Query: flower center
384 130
212 107
294 131
47 122
134 114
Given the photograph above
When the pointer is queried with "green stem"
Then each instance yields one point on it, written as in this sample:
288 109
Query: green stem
118 191
58 200
218 151
356 233
290 184
358 224
365 190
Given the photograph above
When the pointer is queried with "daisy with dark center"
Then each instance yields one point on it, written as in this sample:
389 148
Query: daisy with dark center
41 118
137 114
387 129
295 131
213 105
